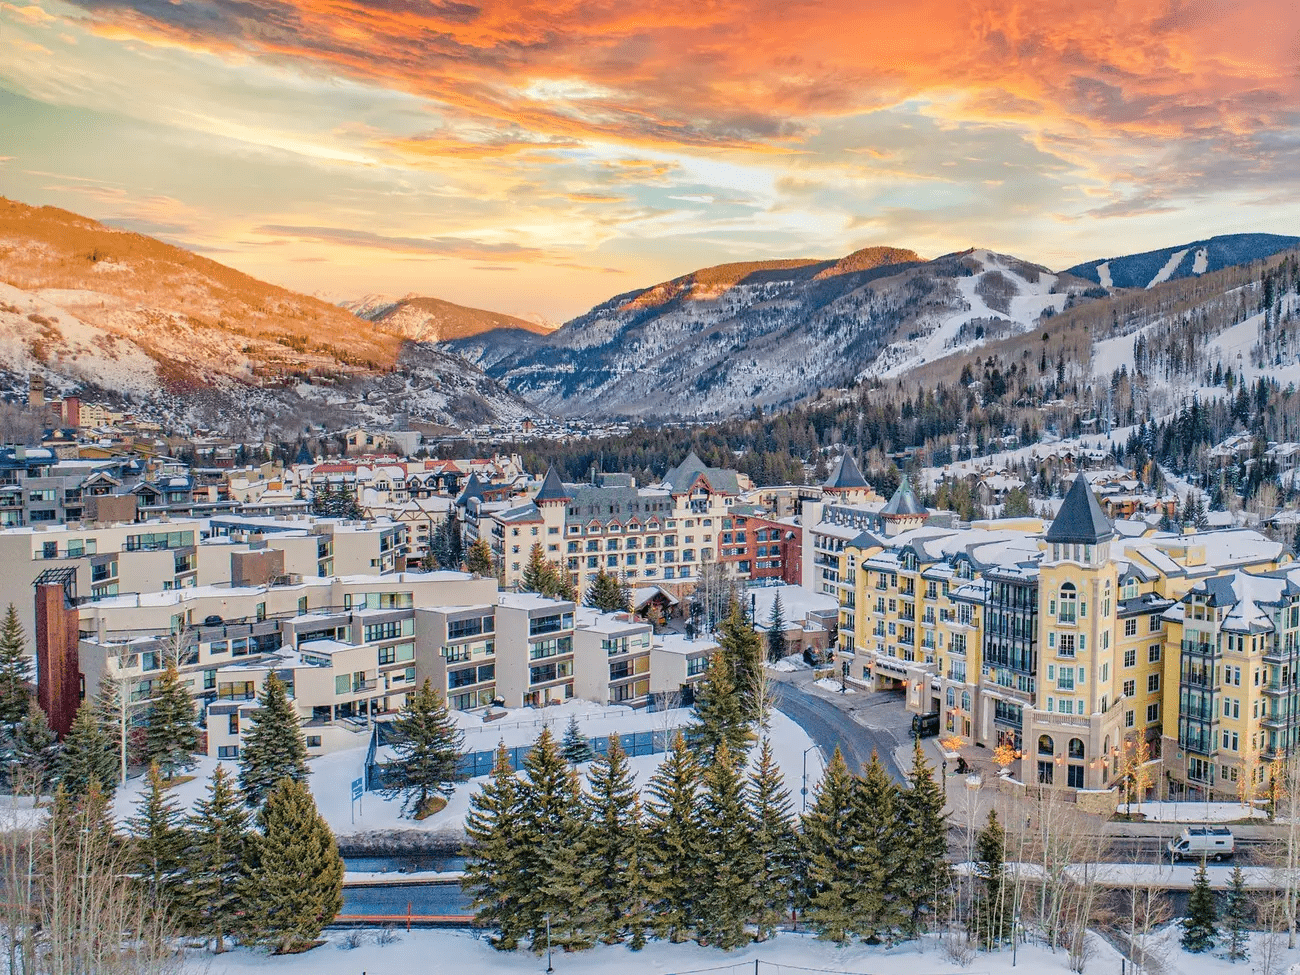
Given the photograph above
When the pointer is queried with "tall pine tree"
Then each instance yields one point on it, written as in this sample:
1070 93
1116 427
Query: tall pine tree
774 842
172 736
479 558
295 872
86 756
990 917
273 747
828 881
876 856
776 645
158 840
741 649
726 854
615 844
427 744
214 878
924 877
719 714
1200 926
672 830
15 670
575 747
495 862
32 748
1237 914
606 594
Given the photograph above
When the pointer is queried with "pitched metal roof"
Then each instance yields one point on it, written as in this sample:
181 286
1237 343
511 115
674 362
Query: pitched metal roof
845 475
1080 520
552 488
473 489
904 502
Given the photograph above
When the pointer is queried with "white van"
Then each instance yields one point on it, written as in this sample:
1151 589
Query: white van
1202 842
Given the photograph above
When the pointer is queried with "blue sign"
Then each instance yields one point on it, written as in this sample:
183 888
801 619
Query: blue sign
356 788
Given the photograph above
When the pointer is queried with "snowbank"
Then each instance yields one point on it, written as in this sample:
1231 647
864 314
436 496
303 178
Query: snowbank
1193 812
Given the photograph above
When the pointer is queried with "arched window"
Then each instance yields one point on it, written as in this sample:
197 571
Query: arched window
1076 748
1069 608
1045 745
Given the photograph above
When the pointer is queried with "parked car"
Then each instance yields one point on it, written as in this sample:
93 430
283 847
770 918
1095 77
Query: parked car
925 725
1203 842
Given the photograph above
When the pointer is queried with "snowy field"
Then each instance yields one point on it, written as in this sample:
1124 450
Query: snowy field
332 775
421 952
1193 812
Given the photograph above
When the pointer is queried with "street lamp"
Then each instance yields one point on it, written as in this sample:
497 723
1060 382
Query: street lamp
548 942
804 790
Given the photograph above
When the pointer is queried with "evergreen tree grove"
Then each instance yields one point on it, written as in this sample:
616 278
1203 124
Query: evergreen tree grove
427 744
295 873
273 747
15 669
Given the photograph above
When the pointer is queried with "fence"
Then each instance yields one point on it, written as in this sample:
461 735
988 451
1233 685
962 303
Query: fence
474 764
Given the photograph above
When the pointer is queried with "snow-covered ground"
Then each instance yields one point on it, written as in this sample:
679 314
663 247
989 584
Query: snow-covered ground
1193 812
831 684
421 952
332 775
788 664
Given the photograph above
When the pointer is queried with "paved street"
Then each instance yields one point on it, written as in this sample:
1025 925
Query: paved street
855 723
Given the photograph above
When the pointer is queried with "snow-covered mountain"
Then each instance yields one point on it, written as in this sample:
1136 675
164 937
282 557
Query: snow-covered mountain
721 340
1150 268
423 319
122 316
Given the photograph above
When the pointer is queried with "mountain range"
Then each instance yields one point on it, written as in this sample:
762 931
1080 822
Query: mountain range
119 314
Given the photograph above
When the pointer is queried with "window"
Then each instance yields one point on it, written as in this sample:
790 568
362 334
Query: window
1130 658
1074 776
1153 713
1153 653
1153 683
1129 719
228 751
1156 623
1131 627
1045 745
1065 646
1130 688
1069 602
313 741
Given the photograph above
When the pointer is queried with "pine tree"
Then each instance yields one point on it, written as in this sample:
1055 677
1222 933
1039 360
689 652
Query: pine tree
876 857
479 558
537 574
172 736
924 877
828 883
672 867
989 919
108 713
495 861
719 714
86 756
726 854
427 744
742 650
1237 914
554 843
615 842
776 645
1200 927
33 748
575 747
15 670
273 747
158 840
295 871
606 594
214 876
774 842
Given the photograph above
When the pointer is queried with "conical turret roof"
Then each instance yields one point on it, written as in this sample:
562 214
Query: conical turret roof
1080 520
552 488
904 503
845 476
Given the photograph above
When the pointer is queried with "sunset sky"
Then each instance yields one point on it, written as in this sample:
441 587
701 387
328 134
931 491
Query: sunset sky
537 157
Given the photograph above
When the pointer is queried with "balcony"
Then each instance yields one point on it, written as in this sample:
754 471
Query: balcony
1200 649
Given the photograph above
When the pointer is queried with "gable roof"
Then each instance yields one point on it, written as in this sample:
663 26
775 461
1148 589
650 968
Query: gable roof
846 475
473 489
1080 520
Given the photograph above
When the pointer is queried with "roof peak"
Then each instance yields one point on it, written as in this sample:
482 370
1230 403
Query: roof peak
846 475
904 503
1080 520
552 489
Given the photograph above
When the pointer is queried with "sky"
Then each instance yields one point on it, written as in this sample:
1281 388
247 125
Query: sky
536 157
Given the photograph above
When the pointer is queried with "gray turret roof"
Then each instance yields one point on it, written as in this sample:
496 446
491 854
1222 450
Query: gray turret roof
904 503
553 488
473 489
845 475
1080 520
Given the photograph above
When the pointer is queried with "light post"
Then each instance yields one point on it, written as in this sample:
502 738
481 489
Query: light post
548 942
804 790
944 766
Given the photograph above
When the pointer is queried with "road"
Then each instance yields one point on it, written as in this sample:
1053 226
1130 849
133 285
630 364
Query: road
855 728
